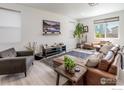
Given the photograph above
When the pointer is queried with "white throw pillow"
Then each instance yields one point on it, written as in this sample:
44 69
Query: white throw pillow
100 55
92 62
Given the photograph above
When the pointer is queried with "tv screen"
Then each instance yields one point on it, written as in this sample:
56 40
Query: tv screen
51 26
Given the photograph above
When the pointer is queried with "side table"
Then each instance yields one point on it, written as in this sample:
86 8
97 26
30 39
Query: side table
73 78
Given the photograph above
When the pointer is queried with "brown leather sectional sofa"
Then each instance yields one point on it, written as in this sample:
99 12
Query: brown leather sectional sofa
105 73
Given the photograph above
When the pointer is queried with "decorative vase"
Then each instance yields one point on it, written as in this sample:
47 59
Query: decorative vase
66 68
71 71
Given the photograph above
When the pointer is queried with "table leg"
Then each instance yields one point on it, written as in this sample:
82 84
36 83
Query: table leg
57 80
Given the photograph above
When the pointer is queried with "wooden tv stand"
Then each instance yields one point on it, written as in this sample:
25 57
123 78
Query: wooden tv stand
49 51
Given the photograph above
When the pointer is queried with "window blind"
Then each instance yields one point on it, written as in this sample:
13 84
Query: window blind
10 26
111 19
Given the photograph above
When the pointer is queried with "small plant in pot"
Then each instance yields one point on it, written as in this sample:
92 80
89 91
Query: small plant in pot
69 64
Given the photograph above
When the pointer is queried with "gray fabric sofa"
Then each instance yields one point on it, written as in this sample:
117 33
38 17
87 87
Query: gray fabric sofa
12 61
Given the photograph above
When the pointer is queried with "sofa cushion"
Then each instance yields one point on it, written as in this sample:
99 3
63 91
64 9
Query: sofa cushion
106 61
104 49
8 53
116 64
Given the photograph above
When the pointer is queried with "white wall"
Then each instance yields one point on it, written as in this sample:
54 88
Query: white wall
32 28
91 33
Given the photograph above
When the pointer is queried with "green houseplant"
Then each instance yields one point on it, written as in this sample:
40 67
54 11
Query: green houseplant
79 31
69 64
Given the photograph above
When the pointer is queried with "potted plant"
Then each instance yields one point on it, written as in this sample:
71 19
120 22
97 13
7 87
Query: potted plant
78 33
69 64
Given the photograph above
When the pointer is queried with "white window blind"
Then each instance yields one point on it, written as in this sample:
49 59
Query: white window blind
112 19
10 26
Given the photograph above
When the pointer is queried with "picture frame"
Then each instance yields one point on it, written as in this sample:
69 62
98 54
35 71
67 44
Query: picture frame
51 27
85 28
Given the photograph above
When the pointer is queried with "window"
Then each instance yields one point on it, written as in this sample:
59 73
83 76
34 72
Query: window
107 28
10 26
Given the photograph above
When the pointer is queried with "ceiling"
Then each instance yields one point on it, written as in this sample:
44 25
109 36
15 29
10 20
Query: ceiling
78 10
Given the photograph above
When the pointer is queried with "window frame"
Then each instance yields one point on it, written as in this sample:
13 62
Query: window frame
106 20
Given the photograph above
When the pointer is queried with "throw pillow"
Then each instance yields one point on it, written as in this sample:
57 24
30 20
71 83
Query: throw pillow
92 62
8 53
109 55
104 49
100 55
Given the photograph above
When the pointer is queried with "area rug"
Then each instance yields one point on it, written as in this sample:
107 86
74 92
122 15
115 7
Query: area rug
78 54
49 61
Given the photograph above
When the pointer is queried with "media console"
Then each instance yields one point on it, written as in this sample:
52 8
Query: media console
53 50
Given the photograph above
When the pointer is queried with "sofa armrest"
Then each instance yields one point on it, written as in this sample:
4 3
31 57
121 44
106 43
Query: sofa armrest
8 59
12 65
24 53
98 77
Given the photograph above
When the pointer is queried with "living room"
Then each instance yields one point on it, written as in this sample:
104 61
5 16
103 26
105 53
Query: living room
40 38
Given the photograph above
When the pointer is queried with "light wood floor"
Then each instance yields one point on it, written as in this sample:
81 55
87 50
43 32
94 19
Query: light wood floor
38 74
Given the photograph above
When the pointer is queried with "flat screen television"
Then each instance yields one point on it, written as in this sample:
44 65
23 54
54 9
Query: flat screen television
51 27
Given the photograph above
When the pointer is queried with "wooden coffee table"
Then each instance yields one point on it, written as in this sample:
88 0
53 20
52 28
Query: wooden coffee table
73 78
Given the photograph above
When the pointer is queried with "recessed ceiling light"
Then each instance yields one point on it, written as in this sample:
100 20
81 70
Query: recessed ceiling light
92 4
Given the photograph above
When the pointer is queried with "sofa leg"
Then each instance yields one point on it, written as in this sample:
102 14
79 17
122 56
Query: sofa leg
32 63
25 74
